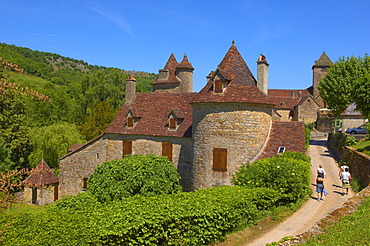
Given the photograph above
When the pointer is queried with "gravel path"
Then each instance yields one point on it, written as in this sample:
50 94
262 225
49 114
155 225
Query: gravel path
313 210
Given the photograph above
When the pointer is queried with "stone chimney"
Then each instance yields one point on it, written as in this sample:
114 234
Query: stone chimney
130 89
262 74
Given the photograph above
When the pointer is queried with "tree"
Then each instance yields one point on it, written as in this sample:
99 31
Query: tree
52 142
344 80
5 157
95 124
10 182
362 95
134 175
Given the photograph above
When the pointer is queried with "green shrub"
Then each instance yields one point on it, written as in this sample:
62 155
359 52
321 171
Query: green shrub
290 177
134 175
193 218
82 201
295 155
350 141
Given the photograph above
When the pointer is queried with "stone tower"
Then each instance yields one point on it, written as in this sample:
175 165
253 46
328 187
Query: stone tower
184 71
319 72
231 122
175 77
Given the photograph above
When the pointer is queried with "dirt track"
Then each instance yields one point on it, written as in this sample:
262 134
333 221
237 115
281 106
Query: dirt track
313 210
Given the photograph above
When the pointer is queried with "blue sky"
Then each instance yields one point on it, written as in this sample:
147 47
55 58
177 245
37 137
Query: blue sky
140 35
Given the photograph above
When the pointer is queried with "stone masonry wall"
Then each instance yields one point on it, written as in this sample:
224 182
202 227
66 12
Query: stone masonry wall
45 195
240 128
74 168
307 112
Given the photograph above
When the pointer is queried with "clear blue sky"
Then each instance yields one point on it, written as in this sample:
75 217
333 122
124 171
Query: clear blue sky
141 34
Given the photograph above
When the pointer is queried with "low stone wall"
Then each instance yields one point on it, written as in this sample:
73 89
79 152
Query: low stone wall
358 162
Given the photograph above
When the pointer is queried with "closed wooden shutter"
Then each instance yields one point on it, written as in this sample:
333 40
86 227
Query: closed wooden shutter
56 192
172 123
167 150
84 184
218 86
127 147
130 121
220 159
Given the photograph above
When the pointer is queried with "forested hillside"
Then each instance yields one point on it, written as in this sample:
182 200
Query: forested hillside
48 102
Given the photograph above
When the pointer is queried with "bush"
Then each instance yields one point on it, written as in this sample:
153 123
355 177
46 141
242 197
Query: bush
295 155
134 175
290 177
193 218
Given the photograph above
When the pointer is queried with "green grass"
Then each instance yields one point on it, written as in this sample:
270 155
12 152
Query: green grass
353 229
363 146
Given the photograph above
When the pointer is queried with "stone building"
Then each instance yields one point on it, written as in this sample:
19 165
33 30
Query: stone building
351 117
301 105
207 135
41 187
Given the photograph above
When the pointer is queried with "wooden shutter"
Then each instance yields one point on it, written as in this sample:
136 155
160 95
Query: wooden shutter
127 147
130 121
167 150
220 159
56 191
172 123
84 184
218 86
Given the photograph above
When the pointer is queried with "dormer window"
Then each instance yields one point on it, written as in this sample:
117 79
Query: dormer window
172 123
131 119
281 150
217 86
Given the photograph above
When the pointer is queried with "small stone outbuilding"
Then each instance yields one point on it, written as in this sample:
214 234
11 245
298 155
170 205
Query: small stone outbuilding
41 187
351 117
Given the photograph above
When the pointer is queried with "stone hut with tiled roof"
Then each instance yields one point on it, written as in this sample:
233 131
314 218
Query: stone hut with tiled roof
207 135
41 187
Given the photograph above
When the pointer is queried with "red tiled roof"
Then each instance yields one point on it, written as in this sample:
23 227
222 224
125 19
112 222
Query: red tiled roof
74 147
289 134
283 99
153 110
233 93
241 87
234 68
42 175
185 63
170 66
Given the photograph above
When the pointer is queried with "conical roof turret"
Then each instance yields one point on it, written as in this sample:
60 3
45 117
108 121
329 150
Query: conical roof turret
185 63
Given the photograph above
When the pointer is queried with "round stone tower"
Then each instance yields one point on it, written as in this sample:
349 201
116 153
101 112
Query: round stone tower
184 71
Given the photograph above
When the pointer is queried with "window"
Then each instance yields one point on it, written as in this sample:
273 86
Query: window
84 184
127 147
172 124
281 150
167 150
220 159
130 121
218 86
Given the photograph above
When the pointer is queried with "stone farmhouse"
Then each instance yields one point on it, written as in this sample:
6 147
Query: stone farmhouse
207 135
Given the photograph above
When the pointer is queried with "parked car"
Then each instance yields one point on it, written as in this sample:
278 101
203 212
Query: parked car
358 130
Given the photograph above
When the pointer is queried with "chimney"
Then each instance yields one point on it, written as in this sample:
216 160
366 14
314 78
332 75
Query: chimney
262 74
130 89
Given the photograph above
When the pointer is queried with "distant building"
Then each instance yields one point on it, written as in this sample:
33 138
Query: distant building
207 135
351 117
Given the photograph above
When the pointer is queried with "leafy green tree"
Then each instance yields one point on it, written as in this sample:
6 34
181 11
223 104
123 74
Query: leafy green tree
14 129
5 155
52 142
95 124
134 175
362 94
345 83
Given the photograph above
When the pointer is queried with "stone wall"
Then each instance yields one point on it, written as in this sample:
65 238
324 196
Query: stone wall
81 164
45 195
240 128
358 162
307 112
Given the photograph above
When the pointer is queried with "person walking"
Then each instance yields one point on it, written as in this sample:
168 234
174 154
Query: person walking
321 171
346 180
320 186
343 167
